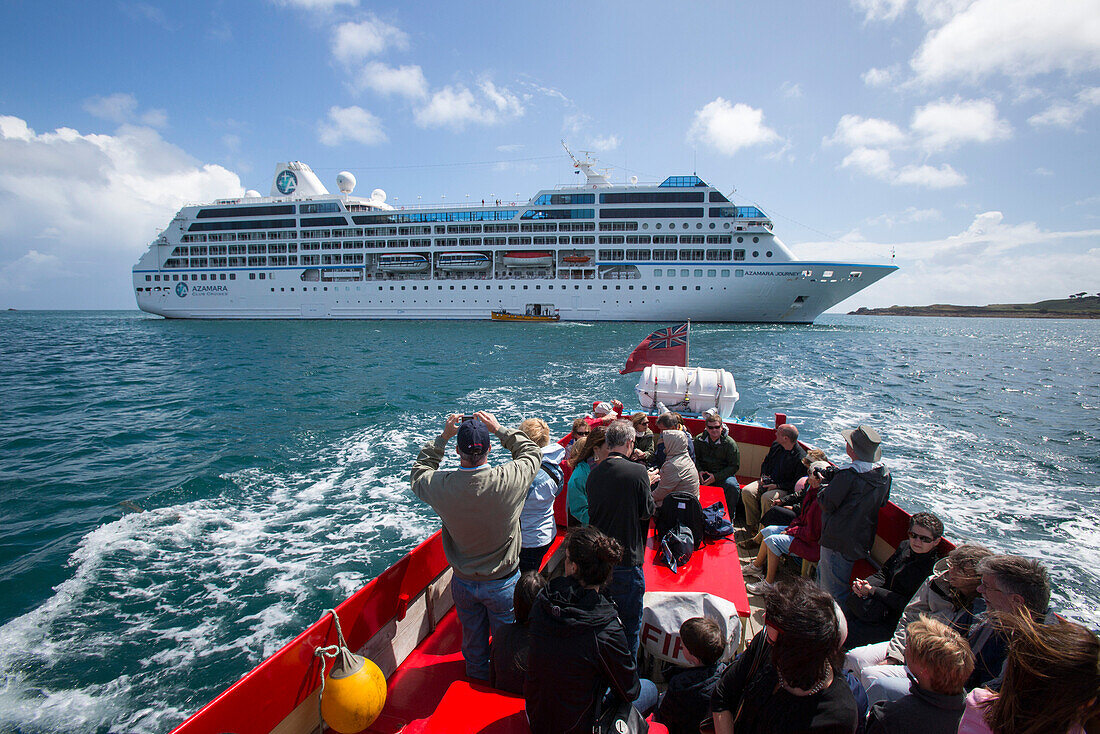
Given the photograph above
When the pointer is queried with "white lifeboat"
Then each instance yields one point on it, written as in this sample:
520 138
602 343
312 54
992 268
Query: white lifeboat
462 261
403 263
532 259
687 389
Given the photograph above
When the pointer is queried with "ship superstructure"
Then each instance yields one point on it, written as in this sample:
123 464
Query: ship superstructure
677 249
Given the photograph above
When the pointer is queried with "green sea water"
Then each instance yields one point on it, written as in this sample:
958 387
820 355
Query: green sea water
178 499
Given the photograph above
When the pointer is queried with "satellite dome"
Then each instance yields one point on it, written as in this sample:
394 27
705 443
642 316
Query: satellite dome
345 182
378 195
252 194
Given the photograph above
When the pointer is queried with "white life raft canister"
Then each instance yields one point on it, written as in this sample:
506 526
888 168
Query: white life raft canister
687 389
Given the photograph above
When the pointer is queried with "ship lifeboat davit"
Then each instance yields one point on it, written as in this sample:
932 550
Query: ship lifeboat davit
463 261
528 259
403 263
687 389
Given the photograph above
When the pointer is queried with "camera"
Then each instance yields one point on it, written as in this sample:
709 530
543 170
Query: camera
466 418
826 474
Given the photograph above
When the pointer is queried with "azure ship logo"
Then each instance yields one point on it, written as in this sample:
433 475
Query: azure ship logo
181 290
286 182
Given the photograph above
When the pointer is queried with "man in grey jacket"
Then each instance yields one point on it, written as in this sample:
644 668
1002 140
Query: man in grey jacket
850 502
480 508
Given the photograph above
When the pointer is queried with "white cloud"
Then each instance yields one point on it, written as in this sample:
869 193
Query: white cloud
1017 38
943 125
350 123
880 10
930 177
1067 114
353 42
91 204
938 12
154 118
855 132
406 81
604 143
730 127
871 161
991 261
791 90
909 216
117 107
879 77
456 106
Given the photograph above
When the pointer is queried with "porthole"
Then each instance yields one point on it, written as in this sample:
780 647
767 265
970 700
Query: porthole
698 225
756 253
725 225
740 239
658 225
755 239
712 225
768 253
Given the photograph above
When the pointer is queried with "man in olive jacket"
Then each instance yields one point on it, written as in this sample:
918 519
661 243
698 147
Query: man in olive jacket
480 508
718 460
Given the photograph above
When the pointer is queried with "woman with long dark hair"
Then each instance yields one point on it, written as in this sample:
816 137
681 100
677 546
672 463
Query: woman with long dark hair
582 457
1051 682
579 657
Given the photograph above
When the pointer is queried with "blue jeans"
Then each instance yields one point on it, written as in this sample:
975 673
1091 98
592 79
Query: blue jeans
626 589
647 699
834 573
732 490
777 541
482 607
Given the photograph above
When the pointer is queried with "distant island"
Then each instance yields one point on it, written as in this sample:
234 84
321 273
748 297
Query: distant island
1080 306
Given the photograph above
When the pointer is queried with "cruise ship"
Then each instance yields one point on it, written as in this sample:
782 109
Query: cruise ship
597 251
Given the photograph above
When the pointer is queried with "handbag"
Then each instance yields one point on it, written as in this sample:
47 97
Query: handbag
623 717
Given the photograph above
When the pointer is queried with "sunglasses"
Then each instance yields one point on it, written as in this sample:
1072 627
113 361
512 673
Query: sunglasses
581 433
921 538
714 428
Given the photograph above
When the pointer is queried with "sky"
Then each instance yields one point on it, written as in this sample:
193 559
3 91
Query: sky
956 139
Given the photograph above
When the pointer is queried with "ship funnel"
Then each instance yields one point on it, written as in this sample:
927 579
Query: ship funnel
297 180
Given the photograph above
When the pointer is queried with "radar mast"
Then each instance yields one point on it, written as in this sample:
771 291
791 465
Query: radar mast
592 178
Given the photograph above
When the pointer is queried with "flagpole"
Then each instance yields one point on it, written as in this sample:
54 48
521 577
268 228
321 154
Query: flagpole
687 344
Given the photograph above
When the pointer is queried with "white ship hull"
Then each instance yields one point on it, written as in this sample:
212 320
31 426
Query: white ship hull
617 261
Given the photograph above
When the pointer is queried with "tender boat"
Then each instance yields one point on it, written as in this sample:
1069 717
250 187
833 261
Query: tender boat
463 261
528 259
403 263
404 621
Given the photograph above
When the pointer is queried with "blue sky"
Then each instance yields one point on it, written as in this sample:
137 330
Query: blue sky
956 139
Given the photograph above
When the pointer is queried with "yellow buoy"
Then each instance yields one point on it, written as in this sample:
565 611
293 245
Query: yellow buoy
354 693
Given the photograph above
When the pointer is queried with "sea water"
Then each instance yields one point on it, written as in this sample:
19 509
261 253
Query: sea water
178 499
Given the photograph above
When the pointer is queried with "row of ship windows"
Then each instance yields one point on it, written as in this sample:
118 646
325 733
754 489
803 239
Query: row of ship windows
659 273
359 259
499 287
292 247
194 276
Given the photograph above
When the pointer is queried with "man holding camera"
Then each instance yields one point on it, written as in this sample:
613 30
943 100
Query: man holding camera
480 508
850 502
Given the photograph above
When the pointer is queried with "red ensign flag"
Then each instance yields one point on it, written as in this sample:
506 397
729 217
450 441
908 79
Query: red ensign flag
665 346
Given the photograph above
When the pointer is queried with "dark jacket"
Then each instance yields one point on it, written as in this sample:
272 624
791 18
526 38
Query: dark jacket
620 504
687 701
849 510
784 467
646 443
894 584
760 706
921 711
721 458
508 654
571 629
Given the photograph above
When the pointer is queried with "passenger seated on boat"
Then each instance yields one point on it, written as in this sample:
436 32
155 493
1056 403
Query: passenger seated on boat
789 679
686 702
578 644
582 457
799 538
1051 681
479 507
603 413
718 459
950 595
678 473
511 643
670 422
876 603
536 520
779 471
644 439
939 662
787 509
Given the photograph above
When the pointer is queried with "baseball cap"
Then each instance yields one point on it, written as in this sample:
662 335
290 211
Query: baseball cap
473 437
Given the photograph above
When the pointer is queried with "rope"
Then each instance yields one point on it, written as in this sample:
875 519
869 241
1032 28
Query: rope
331 651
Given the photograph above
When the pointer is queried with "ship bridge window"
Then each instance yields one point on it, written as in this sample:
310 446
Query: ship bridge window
716 197
651 213
559 214
246 211
661 197
242 224
320 208
737 212
564 199
419 218
682 182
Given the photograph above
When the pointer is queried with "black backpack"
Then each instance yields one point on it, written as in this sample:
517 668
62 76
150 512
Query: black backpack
679 528
715 523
